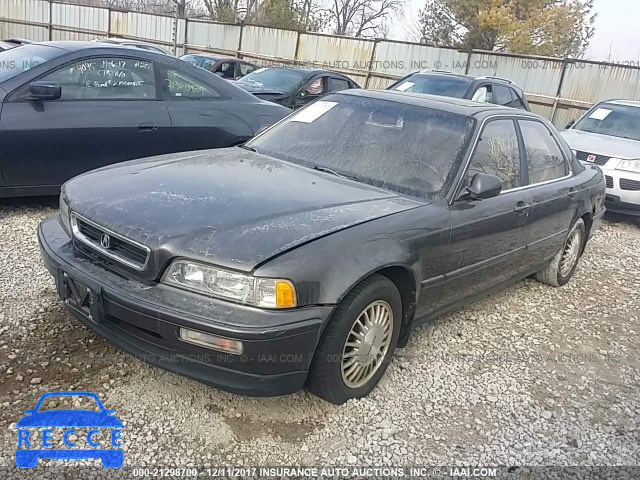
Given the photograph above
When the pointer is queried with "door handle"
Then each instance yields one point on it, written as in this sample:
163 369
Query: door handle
572 192
522 208
147 127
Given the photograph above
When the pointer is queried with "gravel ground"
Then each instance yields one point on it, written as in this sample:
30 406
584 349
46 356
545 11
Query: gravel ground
532 375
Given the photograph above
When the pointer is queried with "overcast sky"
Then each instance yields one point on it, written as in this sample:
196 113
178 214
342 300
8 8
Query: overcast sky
617 29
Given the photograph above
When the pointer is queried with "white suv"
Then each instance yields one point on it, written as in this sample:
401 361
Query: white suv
608 135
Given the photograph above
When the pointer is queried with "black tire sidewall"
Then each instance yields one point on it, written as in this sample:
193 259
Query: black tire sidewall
329 353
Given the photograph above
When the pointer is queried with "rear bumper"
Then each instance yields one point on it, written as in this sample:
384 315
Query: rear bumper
145 320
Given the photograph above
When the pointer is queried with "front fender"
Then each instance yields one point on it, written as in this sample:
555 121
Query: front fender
325 270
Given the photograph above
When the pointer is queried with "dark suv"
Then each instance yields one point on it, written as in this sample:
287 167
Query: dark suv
499 91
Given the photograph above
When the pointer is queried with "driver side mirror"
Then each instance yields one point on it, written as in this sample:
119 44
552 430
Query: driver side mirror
482 186
40 90
109 411
29 411
570 124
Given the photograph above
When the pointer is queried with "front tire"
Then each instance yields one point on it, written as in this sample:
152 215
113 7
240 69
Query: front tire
564 263
358 342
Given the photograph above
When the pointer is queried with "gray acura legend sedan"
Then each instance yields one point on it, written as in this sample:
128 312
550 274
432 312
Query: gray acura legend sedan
306 256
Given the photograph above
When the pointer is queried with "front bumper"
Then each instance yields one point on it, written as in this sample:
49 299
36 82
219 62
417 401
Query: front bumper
145 319
623 191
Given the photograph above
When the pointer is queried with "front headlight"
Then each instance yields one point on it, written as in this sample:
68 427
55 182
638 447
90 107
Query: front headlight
238 287
629 166
64 213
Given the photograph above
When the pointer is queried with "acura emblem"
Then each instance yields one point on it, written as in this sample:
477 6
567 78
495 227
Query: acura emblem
105 241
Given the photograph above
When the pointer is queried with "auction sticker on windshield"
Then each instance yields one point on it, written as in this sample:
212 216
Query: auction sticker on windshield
405 86
600 114
313 111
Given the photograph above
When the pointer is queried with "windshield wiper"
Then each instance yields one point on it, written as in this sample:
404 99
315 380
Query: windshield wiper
251 149
320 168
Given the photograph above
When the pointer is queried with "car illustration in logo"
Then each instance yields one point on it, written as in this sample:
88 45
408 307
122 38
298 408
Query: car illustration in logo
29 450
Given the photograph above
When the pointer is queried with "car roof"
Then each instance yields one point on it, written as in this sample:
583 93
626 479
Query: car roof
472 78
623 102
213 56
309 71
450 104
103 47
74 45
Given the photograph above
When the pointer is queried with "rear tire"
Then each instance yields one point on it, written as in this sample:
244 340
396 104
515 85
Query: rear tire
358 342
564 263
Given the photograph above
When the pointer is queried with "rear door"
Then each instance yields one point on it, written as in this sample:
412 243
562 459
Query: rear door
552 188
489 237
202 117
108 113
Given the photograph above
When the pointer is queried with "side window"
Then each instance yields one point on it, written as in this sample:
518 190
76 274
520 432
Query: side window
225 70
544 158
316 87
208 64
180 85
501 95
245 69
497 153
106 79
337 84
482 95
515 100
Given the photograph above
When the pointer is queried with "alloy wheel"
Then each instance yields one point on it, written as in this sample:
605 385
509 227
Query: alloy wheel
367 344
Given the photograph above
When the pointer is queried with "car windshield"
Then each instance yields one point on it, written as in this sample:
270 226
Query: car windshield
69 402
285 80
20 59
443 85
612 119
406 148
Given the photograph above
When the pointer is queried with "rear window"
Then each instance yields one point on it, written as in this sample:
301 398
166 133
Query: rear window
17 60
443 85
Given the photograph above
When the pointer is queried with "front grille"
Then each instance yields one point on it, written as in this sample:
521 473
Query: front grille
609 181
599 159
118 248
626 184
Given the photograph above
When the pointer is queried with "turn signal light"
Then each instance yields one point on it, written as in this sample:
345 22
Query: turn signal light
285 294
214 342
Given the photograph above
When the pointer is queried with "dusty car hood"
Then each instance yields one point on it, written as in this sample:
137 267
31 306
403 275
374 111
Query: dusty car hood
229 207
602 144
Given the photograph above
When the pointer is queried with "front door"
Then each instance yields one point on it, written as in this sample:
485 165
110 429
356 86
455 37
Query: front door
107 113
312 90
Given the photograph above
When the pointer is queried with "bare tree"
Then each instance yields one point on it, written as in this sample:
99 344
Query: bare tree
362 18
